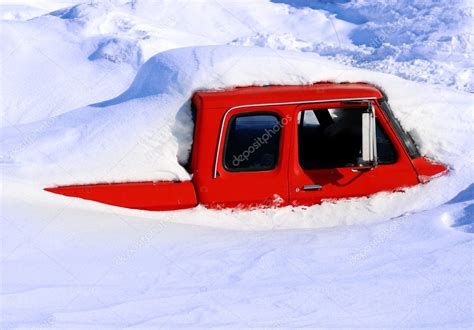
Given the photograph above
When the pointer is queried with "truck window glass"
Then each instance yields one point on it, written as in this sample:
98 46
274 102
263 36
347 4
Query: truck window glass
407 140
252 142
332 138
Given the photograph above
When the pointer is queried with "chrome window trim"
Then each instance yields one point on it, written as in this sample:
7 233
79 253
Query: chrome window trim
219 143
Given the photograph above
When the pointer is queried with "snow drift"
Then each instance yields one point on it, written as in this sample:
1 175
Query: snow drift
89 52
145 133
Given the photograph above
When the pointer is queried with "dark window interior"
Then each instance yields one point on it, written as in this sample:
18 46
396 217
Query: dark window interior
386 153
252 142
332 138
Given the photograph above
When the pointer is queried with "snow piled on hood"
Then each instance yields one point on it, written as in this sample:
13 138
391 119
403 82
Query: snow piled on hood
146 132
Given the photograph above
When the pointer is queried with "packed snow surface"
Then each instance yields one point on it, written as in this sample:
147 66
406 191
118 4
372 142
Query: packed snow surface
67 263
99 91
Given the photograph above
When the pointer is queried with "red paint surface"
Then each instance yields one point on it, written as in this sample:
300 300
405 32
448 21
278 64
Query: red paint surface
152 196
428 169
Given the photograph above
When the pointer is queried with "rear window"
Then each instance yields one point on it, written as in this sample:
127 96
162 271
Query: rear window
252 142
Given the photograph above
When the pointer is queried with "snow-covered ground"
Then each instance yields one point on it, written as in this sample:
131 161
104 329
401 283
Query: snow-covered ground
391 260
67 263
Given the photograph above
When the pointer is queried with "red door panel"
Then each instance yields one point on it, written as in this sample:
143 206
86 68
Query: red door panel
241 187
310 186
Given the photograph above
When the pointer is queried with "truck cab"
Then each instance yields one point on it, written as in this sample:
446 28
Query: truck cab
275 146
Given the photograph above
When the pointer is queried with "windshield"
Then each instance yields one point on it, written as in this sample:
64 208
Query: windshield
407 140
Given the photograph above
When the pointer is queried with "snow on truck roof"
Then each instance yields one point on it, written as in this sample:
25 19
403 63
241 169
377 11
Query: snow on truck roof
284 93
146 132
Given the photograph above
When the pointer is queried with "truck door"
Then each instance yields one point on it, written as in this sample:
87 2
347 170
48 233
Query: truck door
327 157
252 161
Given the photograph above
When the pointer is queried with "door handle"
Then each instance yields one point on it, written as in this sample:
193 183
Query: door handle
310 187
363 168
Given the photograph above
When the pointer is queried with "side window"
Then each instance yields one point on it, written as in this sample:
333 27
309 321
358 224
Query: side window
252 142
332 138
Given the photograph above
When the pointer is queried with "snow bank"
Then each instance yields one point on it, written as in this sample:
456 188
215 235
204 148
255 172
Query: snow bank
15 10
91 51
144 133
426 41
69 263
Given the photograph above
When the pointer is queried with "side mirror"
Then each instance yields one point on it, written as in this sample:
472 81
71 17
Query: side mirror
369 138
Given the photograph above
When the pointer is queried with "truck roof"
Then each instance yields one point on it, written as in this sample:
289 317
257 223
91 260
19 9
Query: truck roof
283 93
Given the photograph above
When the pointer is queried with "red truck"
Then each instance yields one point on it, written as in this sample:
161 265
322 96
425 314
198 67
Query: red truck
282 145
